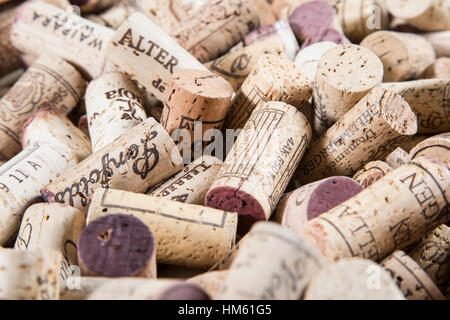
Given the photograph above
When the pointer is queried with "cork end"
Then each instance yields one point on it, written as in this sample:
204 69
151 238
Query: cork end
408 9
37 115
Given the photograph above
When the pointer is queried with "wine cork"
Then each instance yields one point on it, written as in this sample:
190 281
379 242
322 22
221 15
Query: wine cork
52 226
141 158
353 279
216 27
113 106
29 275
411 279
363 134
196 97
251 277
345 74
440 69
117 14
397 158
284 8
371 173
437 147
260 164
389 215
405 56
273 79
311 200
440 42
88 6
185 234
428 15
429 99
117 245
83 126
237 65
183 291
9 56
49 82
23 176
41 28
50 125
140 45
227 260
432 255
263 9
192 183
210 281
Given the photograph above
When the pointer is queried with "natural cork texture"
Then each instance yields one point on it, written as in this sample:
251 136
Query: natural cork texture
273 79
437 147
440 69
9 56
271 252
50 82
353 279
363 134
216 27
397 158
260 164
210 281
345 74
405 56
114 105
141 158
371 173
390 215
440 42
412 280
185 234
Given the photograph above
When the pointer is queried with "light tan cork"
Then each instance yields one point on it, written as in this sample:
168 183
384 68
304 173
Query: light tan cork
192 183
116 15
210 281
412 280
52 226
293 262
22 177
237 65
397 158
9 56
389 215
429 99
426 15
440 42
29 275
41 28
216 27
265 12
50 125
141 158
114 105
273 79
437 147
353 279
185 234
49 82
405 56
371 173
440 69
345 74
363 134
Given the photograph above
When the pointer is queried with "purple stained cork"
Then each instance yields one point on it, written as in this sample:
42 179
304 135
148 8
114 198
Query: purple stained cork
116 245
183 291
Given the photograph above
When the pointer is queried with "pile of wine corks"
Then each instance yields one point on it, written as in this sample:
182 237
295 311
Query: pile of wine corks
224 149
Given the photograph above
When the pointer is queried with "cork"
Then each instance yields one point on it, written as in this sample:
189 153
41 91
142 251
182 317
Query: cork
141 158
284 8
260 164
397 158
410 277
371 173
117 245
440 69
49 82
311 200
353 279
83 126
432 255
9 56
216 27
185 234
192 183
183 291
227 260
50 125
436 147
429 100
405 56
89 6
273 79
389 215
429 15
41 28
251 277
114 105
196 97
363 134
52 226
237 65
117 14
140 45
263 9
210 281
440 41
345 74
23 176
29 275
